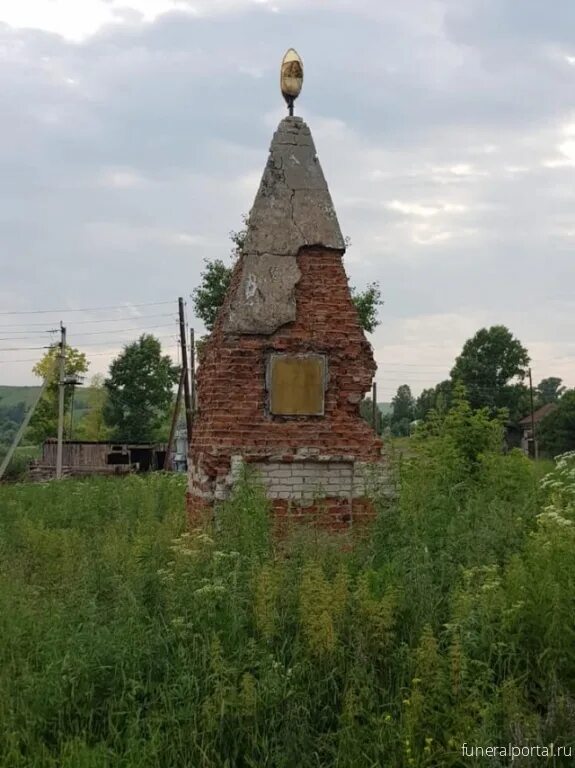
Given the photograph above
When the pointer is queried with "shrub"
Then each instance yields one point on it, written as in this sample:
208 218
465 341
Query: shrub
130 640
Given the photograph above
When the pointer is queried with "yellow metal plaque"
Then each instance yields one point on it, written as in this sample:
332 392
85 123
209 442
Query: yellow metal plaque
297 385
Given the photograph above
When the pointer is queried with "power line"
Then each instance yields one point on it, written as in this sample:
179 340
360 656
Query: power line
125 330
23 349
92 354
91 333
85 309
94 322
19 337
120 342
89 344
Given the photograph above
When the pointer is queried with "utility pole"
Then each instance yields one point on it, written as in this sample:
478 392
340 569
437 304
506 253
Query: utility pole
535 446
374 406
184 346
168 460
23 426
61 390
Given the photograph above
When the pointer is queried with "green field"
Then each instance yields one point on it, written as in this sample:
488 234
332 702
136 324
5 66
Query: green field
128 641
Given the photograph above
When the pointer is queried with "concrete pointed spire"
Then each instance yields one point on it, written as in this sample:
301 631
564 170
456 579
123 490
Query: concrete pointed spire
292 209
293 206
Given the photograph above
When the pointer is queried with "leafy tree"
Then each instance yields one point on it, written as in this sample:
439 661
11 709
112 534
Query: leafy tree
44 423
473 432
443 395
366 411
434 398
557 430
238 239
215 280
403 411
549 390
93 426
209 296
367 303
11 416
139 388
48 367
403 403
425 403
487 366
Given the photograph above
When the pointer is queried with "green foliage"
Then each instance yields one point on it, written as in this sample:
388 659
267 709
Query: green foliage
366 411
436 398
472 433
129 640
425 403
93 424
48 367
556 433
487 366
17 469
44 423
403 404
549 390
13 395
238 239
139 388
11 416
367 303
209 296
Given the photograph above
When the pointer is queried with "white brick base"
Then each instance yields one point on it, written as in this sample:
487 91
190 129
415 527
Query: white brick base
309 480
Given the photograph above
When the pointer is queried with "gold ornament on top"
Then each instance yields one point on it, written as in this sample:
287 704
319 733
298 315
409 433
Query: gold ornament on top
291 77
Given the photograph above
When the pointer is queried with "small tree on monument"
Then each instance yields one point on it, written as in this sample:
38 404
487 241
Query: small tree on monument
44 423
492 366
215 279
140 390
209 296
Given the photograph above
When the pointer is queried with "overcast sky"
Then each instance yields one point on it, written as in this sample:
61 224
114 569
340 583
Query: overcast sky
134 133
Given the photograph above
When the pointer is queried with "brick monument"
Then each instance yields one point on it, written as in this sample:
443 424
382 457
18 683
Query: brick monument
282 374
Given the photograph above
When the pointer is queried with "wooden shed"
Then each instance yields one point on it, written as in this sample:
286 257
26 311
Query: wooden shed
82 457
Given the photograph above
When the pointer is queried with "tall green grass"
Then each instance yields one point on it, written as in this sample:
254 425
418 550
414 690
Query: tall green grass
127 640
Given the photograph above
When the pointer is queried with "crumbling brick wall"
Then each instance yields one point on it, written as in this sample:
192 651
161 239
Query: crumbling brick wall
234 421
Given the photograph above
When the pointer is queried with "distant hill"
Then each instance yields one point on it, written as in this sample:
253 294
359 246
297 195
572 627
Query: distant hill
385 408
13 395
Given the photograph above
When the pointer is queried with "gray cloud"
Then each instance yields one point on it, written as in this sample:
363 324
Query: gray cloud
446 131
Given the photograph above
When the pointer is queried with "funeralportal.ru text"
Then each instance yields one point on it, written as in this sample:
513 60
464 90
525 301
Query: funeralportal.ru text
514 751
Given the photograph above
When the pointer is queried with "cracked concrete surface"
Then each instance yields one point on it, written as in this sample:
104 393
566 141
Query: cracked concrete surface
265 298
293 206
292 209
